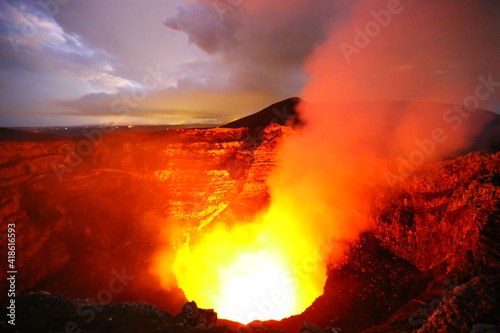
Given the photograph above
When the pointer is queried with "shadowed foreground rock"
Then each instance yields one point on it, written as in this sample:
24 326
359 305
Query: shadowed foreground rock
42 312
192 316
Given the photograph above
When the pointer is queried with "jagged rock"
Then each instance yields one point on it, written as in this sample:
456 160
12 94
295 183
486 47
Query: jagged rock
445 215
194 317
475 301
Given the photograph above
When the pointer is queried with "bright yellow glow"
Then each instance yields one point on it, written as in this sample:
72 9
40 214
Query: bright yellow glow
265 270
252 278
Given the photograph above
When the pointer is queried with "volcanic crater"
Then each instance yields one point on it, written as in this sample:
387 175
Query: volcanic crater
95 252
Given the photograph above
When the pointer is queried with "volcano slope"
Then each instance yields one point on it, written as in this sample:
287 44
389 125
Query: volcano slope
430 262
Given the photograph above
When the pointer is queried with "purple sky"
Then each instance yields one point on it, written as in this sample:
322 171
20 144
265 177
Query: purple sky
70 62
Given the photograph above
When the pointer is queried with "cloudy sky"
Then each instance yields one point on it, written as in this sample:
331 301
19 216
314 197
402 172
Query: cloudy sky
69 62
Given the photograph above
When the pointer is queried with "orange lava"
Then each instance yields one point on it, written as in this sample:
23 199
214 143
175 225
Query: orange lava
259 271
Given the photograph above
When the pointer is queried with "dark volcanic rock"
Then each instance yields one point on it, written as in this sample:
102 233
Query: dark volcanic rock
477 301
281 113
192 316
42 312
446 214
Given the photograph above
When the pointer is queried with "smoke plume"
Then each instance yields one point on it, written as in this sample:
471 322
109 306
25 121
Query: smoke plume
375 92
375 96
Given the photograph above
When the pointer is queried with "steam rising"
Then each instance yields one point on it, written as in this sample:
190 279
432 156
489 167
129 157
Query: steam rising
385 51
418 53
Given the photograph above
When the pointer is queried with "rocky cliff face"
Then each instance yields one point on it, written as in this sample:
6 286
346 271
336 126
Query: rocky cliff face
446 215
82 215
444 220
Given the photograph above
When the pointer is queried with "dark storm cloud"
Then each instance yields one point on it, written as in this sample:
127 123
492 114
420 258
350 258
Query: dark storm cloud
225 60
204 27
131 30
251 54
257 43
41 63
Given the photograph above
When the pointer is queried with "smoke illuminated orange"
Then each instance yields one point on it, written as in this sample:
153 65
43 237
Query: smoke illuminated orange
275 266
259 271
